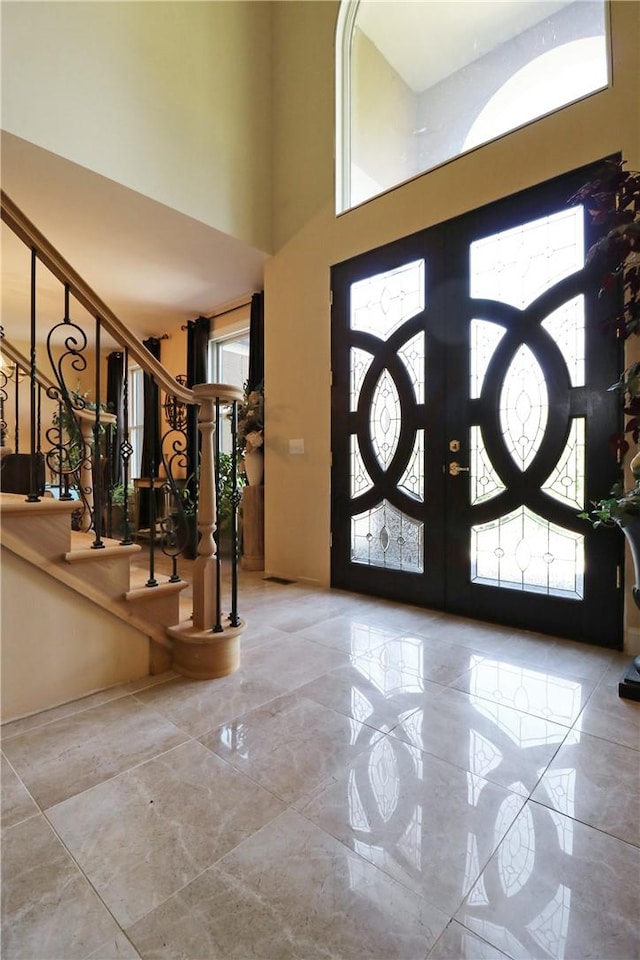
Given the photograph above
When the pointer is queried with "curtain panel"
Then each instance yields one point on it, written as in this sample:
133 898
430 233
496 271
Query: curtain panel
197 348
151 443
256 342
115 403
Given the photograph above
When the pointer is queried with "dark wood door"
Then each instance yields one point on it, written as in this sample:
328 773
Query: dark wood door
470 418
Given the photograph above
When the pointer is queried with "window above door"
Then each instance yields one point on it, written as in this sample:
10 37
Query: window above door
418 84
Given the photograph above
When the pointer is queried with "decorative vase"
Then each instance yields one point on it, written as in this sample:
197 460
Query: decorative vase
629 686
254 467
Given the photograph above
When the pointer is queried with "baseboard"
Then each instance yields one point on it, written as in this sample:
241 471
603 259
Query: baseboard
632 641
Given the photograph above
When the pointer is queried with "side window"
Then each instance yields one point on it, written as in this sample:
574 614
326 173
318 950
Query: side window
229 363
136 418
417 84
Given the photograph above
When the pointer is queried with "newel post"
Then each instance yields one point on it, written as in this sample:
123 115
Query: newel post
205 648
204 571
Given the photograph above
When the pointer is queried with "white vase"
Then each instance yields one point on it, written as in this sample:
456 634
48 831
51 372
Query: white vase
254 467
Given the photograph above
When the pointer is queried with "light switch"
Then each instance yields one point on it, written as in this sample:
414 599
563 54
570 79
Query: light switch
296 446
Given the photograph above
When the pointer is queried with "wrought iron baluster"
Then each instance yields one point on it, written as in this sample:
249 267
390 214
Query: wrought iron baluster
152 582
98 495
16 392
39 423
177 529
217 627
65 344
33 470
126 452
235 501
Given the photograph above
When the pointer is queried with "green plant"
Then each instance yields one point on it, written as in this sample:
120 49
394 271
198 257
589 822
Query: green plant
251 419
119 494
613 200
225 485
189 496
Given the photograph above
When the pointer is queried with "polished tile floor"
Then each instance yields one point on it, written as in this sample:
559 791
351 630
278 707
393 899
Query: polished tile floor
376 781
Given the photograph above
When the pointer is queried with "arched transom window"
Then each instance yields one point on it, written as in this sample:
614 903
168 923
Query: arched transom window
419 83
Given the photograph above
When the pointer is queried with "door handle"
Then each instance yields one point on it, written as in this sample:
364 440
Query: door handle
455 469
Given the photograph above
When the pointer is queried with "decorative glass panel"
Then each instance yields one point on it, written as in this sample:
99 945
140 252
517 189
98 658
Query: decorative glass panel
360 363
360 479
384 419
522 551
485 337
566 481
412 480
566 326
485 482
386 537
412 355
524 407
518 265
380 304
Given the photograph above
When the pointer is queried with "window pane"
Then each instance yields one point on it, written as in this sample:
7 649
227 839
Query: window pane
522 551
380 304
229 363
524 407
517 266
386 537
421 83
136 419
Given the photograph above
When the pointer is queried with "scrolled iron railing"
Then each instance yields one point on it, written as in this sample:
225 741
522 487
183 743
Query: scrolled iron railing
88 459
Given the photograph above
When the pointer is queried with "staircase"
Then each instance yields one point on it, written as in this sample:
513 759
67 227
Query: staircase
79 613
75 620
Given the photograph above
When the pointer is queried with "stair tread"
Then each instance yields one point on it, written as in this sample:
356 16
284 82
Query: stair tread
17 503
161 589
81 548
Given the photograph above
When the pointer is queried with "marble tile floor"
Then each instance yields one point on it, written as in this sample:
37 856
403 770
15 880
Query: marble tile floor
376 781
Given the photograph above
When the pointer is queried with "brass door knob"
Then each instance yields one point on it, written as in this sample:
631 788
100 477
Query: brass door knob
455 469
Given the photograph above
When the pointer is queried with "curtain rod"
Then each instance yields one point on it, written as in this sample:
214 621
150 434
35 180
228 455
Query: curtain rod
236 306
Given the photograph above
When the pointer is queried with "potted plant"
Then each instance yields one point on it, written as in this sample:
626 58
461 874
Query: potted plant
118 495
613 199
225 502
251 433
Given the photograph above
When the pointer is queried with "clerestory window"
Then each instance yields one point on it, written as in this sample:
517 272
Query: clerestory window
419 83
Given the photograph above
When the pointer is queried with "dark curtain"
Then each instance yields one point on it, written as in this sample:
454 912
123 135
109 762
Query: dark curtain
256 342
115 403
151 444
197 348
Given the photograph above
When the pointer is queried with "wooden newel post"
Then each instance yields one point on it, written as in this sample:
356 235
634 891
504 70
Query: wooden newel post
204 578
206 647
87 479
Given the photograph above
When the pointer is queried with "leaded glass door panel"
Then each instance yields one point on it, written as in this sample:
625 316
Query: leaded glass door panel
383 429
470 420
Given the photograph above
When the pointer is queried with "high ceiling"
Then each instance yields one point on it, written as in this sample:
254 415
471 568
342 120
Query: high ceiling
154 267
157 268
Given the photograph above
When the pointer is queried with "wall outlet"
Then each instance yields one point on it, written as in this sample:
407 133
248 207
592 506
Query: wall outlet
296 446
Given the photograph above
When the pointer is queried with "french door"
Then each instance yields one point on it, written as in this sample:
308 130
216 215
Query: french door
470 420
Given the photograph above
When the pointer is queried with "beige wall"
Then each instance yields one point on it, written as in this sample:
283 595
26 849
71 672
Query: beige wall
302 123
297 278
61 647
149 94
